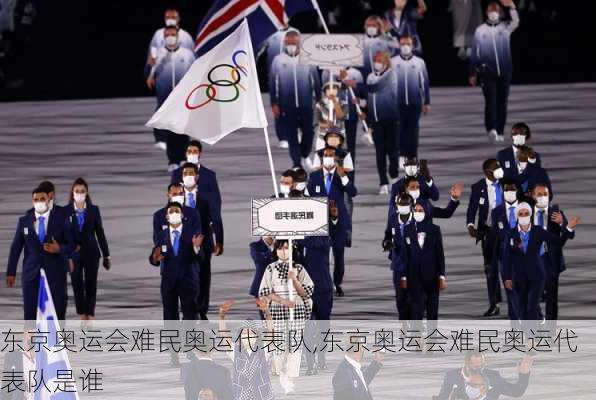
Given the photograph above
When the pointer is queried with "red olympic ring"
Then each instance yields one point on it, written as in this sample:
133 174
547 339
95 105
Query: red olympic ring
210 96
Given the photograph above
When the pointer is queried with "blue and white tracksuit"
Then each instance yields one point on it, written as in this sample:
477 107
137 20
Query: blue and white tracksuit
413 91
295 88
373 45
491 60
407 24
158 41
351 119
274 46
170 67
383 116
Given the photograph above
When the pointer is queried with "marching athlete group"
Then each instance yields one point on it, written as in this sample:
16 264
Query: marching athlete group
510 211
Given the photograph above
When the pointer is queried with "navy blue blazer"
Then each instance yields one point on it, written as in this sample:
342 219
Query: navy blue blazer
479 205
555 251
347 384
508 162
261 257
424 265
35 257
91 237
189 216
184 265
316 262
527 180
519 265
206 183
316 188
398 254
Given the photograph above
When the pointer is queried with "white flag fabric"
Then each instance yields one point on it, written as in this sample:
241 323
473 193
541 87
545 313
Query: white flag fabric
51 361
218 95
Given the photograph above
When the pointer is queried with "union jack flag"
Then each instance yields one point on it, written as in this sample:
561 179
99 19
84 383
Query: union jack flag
264 18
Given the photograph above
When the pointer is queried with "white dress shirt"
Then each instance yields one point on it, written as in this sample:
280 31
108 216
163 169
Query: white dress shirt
344 179
186 193
179 230
358 367
46 215
545 217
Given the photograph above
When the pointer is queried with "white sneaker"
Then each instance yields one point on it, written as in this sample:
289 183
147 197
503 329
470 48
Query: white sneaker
307 164
402 161
161 145
172 167
283 144
368 139
493 135
500 138
384 189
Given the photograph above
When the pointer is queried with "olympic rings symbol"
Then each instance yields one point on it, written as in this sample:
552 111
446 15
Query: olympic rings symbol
236 72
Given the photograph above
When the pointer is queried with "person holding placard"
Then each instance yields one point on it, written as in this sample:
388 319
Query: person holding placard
276 290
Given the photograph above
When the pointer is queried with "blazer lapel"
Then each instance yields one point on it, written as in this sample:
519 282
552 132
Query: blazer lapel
31 227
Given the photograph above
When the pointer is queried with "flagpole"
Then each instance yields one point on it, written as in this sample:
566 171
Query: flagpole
315 4
266 133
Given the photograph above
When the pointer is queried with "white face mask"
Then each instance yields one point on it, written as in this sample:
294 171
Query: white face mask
419 216
523 165
189 181
301 186
411 170
523 221
510 196
542 201
328 162
284 189
177 199
291 49
498 173
79 197
403 210
379 66
175 218
472 392
493 16
405 50
40 206
171 40
415 194
192 158
372 31
171 22
519 140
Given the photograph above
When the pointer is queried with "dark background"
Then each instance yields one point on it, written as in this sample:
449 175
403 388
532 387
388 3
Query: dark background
92 49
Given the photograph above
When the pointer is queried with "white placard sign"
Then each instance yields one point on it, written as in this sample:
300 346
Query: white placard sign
335 50
288 217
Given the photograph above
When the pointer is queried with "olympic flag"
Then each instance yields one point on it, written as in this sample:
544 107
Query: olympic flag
218 95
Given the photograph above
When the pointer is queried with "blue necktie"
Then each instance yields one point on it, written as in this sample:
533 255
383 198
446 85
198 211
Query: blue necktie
541 218
41 229
498 194
525 237
512 221
328 180
176 242
81 219
192 203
